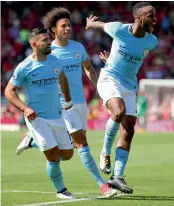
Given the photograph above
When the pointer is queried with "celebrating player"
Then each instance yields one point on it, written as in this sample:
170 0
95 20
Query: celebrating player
117 84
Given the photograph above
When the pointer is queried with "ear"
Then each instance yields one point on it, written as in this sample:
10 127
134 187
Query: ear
53 29
138 18
33 44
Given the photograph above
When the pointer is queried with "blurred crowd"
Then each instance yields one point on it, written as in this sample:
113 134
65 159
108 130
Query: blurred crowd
161 102
18 18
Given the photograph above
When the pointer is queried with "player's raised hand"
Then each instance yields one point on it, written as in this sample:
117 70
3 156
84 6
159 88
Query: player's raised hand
90 20
104 56
29 113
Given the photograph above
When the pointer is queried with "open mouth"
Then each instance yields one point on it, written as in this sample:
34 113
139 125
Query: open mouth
153 25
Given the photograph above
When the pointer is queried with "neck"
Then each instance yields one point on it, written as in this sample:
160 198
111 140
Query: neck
38 56
61 42
137 30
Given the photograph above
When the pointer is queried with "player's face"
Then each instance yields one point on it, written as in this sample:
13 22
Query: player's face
44 44
63 29
148 18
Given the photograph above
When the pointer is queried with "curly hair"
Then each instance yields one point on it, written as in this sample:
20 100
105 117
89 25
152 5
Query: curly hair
54 15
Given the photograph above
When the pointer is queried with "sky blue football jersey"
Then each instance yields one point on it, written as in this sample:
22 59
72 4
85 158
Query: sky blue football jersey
127 53
71 57
40 81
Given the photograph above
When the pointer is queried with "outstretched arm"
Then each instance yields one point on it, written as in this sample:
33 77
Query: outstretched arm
92 23
111 28
11 95
90 71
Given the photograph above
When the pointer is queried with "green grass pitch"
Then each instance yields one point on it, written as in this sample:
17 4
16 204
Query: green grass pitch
150 172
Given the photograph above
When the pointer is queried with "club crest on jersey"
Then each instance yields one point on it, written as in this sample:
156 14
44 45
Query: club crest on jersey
146 51
77 55
56 70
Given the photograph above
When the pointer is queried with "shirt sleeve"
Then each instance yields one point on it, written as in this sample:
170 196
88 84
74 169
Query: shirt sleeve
18 76
59 66
112 28
155 43
84 55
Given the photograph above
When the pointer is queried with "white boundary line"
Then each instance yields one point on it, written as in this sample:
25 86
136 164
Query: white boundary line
72 200
60 201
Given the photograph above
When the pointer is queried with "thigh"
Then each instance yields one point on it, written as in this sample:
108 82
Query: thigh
129 98
62 136
108 90
42 134
72 120
116 105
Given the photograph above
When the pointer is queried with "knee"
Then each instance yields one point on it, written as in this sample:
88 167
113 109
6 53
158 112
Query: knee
79 139
66 154
118 115
52 155
82 142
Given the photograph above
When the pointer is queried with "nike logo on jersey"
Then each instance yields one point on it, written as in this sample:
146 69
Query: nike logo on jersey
33 75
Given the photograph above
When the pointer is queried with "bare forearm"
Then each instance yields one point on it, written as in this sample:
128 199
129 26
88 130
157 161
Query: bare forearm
66 92
14 99
91 74
96 25
64 86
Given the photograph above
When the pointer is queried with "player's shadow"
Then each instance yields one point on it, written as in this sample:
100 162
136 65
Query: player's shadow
131 197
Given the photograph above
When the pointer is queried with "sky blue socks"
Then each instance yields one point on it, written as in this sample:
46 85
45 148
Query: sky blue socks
110 133
120 162
55 174
90 164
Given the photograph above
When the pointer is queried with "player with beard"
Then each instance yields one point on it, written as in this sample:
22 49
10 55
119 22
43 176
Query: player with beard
117 84
39 73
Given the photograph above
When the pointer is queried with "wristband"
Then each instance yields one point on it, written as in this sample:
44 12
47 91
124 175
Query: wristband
67 104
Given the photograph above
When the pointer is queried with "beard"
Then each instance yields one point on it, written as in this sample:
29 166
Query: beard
46 52
147 27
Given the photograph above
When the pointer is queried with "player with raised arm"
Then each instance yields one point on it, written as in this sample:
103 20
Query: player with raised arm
73 56
117 84
39 74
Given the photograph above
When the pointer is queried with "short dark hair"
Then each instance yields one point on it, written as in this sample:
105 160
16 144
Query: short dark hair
36 32
54 15
139 6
